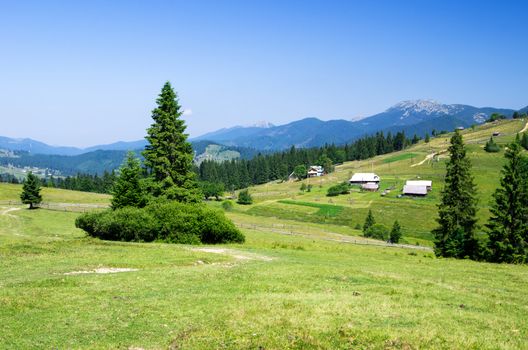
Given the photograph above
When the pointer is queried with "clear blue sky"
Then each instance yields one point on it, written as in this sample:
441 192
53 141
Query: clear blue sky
84 73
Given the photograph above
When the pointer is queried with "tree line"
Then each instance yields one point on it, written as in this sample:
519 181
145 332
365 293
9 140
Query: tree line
241 173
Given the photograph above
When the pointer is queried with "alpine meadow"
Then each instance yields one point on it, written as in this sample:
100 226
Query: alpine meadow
241 175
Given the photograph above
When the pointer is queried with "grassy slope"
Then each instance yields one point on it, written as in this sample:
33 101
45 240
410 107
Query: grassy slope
417 215
313 294
11 192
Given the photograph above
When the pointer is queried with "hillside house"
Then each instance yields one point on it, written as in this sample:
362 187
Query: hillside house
370 186
427 183
363 178
315 171
412 190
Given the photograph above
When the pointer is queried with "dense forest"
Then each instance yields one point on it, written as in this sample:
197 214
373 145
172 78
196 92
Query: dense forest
242 173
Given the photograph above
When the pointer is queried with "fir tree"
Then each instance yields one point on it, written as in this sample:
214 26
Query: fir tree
427 138
455 237
491 146
31 191
524 141
168 155
369 221
395 234
127 190
508 224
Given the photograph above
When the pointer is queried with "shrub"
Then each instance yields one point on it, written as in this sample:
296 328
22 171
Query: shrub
227 205
377 231
171 222
342 188
244 197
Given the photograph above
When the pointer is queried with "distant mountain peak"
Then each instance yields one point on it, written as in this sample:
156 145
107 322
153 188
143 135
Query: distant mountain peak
261 124
428 107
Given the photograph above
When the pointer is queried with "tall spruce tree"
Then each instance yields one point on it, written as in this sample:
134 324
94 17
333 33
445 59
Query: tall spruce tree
168 155
31 191
455 237
127 190
508 224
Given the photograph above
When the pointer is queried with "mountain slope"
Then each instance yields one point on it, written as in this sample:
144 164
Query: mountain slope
419 116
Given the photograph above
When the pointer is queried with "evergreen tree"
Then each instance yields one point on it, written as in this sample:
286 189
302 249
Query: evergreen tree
168 155
127 190
455 237
31 191
491 146
524 141
508 224
415 139
369 221
395 234
427 138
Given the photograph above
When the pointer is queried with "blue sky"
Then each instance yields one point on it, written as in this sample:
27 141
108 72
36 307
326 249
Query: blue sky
84 73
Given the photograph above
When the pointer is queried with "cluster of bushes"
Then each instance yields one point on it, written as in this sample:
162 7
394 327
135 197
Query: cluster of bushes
336 190
170 222
378 231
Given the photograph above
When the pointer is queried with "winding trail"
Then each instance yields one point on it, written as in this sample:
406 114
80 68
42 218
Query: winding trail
525 128
8 210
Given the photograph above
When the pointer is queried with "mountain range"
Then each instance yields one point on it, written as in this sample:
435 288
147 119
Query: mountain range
417 116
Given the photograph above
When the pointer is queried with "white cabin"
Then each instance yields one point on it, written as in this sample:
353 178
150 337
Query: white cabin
411 190
427 183
363 178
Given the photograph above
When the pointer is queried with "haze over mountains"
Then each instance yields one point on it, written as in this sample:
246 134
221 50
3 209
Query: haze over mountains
417 116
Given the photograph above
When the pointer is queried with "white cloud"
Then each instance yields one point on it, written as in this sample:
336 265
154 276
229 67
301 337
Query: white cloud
187 112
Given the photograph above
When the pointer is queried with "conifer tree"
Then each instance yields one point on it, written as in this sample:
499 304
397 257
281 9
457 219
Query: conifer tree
455 237
427 138
491 146
127 190
369 221
31 191
168 155
395 234
524 141
508 224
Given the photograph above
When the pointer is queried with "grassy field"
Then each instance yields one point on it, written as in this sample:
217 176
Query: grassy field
417 215
304 279
274 292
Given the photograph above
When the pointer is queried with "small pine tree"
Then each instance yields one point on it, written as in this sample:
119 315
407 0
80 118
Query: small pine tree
395 234
524 141
491 146
369 221
127 190
303 187
455 237
508 224
427 138
244 197
31 191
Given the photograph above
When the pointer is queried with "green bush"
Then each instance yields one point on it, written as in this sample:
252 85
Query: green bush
377 231
244 197
227 205
171 222
342 188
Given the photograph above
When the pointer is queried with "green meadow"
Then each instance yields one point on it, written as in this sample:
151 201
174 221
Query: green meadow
304 279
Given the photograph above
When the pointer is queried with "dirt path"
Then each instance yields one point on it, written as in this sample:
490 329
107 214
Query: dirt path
6 212
237 254
428 157
525 128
